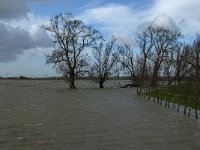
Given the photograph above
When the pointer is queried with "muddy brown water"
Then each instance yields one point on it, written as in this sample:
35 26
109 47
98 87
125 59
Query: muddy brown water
45 115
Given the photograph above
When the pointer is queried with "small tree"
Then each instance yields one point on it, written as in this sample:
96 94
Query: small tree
104 61
70 37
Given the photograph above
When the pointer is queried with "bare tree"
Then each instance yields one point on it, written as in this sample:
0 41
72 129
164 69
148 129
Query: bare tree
104 60
181 56
164 41
145 43
70 37
127 59
195 61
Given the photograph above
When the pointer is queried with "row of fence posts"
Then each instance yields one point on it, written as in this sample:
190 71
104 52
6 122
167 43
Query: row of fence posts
145 91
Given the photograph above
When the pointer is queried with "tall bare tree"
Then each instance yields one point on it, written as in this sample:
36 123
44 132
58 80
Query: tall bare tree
164 41
127 59
181 61
104 61
145 43
70 37
195 61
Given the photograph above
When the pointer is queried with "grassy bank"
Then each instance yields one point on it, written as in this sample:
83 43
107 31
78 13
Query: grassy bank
186 94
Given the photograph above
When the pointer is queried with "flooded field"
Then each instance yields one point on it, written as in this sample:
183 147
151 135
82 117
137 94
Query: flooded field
45 115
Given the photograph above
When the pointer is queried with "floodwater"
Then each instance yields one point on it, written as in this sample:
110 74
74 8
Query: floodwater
45 115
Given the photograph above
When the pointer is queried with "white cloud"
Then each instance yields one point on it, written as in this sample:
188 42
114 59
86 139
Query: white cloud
177 8
164 21
124 38
123 19
111 18
27 22
186 13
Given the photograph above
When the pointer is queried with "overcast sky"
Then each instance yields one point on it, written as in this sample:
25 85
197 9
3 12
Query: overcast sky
23 44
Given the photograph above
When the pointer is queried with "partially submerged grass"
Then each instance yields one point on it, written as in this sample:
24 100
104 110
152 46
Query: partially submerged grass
186 94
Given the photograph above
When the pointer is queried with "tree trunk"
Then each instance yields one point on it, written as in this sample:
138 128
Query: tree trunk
143 75
72 81
101 85
155 76
179 80
72 85
196 110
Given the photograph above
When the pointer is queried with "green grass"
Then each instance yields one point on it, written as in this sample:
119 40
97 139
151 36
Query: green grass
184 94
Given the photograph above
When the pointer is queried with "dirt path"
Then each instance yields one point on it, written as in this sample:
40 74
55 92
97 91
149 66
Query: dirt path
44 115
